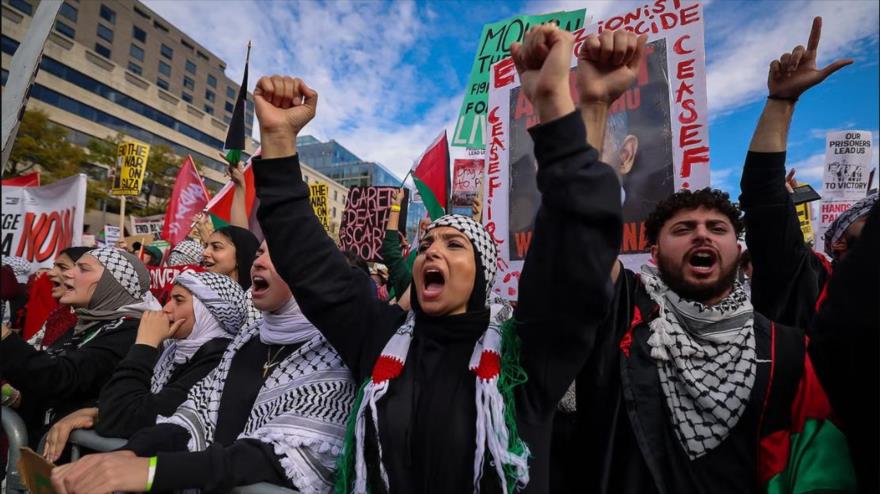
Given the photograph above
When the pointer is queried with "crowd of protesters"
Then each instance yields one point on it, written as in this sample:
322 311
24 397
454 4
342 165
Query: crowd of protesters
291 362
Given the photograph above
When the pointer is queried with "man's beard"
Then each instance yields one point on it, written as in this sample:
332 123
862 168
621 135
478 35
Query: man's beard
676 282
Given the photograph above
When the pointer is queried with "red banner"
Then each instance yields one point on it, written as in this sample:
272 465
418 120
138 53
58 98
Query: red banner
162 279
188 199
29 180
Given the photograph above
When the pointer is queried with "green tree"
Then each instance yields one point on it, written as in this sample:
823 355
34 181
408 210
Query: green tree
162 168
42 144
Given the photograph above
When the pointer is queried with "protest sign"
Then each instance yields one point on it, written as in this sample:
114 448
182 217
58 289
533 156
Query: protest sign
805 219
318 197
365 217
847 164
656 134
467 175
162 278
495 41
28 180
35 472
147 225
40 222
131 164
829 210
188 198
112 234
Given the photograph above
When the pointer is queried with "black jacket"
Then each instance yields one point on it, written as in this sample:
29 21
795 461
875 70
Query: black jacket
126 403
788 276
69 375
558 307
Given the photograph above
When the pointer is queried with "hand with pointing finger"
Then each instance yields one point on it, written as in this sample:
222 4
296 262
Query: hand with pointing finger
796 72
156 328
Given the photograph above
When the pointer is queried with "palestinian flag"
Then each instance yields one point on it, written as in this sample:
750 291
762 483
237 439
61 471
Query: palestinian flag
431 176
234 144
220 206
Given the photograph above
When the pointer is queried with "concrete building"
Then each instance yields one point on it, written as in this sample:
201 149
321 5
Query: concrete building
115 66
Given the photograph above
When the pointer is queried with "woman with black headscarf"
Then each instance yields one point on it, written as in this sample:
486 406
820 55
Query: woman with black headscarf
231 251
439 409
62 318
109 290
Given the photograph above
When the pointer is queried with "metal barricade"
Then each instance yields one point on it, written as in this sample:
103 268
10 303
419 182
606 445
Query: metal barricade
17 434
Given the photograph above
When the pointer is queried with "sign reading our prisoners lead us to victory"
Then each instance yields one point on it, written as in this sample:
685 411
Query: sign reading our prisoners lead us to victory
656 134
366 215
847 163
318 197
131 164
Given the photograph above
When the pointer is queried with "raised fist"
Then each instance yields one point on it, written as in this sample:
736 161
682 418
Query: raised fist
608 64
795 72
543 62
284 105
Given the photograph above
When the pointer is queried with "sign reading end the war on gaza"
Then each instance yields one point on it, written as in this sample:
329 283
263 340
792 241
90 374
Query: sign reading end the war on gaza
495 41
131 165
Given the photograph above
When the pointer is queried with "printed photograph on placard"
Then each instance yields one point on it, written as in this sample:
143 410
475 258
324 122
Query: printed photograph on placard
637 144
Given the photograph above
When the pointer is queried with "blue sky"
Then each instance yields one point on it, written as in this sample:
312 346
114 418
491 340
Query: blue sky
391 75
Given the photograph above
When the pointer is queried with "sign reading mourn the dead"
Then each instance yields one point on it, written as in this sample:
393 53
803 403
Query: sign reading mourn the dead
318 197
363 222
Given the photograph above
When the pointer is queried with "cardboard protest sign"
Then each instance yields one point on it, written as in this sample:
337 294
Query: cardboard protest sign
805 220
40 222
656 134
35 472
147 225
467 175
131 165
365 217
112 234
847 165
495 41
318 197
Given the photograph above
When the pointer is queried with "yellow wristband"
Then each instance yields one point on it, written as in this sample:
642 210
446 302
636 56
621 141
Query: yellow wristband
151 474
395 208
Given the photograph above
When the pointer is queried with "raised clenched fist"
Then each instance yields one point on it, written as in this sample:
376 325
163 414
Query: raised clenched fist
284 105
608 64
543 62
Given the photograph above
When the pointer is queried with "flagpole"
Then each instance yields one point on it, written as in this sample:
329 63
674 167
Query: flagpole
402 182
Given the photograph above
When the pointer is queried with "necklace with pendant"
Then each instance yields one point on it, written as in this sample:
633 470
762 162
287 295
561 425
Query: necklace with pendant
270 360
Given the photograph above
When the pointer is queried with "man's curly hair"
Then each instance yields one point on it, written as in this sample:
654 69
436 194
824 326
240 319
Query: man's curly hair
688 200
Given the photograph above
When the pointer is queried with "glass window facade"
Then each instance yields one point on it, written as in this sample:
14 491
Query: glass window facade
102 50
187 97
136 52
65 29
188 83
209 95
139 34
164 68
108 14
23 5
105 33
162 83
190 67
133 67
167 52
68 11
212 81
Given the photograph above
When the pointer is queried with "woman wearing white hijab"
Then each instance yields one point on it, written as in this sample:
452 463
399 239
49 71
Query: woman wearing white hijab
109 290
204 312
274 410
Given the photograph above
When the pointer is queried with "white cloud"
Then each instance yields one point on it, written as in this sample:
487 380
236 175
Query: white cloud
737 71
352 54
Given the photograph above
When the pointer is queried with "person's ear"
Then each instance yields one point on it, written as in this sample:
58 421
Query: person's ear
627 153
654 253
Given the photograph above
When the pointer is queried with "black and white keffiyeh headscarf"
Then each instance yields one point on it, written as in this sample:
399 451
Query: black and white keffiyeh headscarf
846 219
300 410
122 291
219 309
496 435
706 361
20 266
184 253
